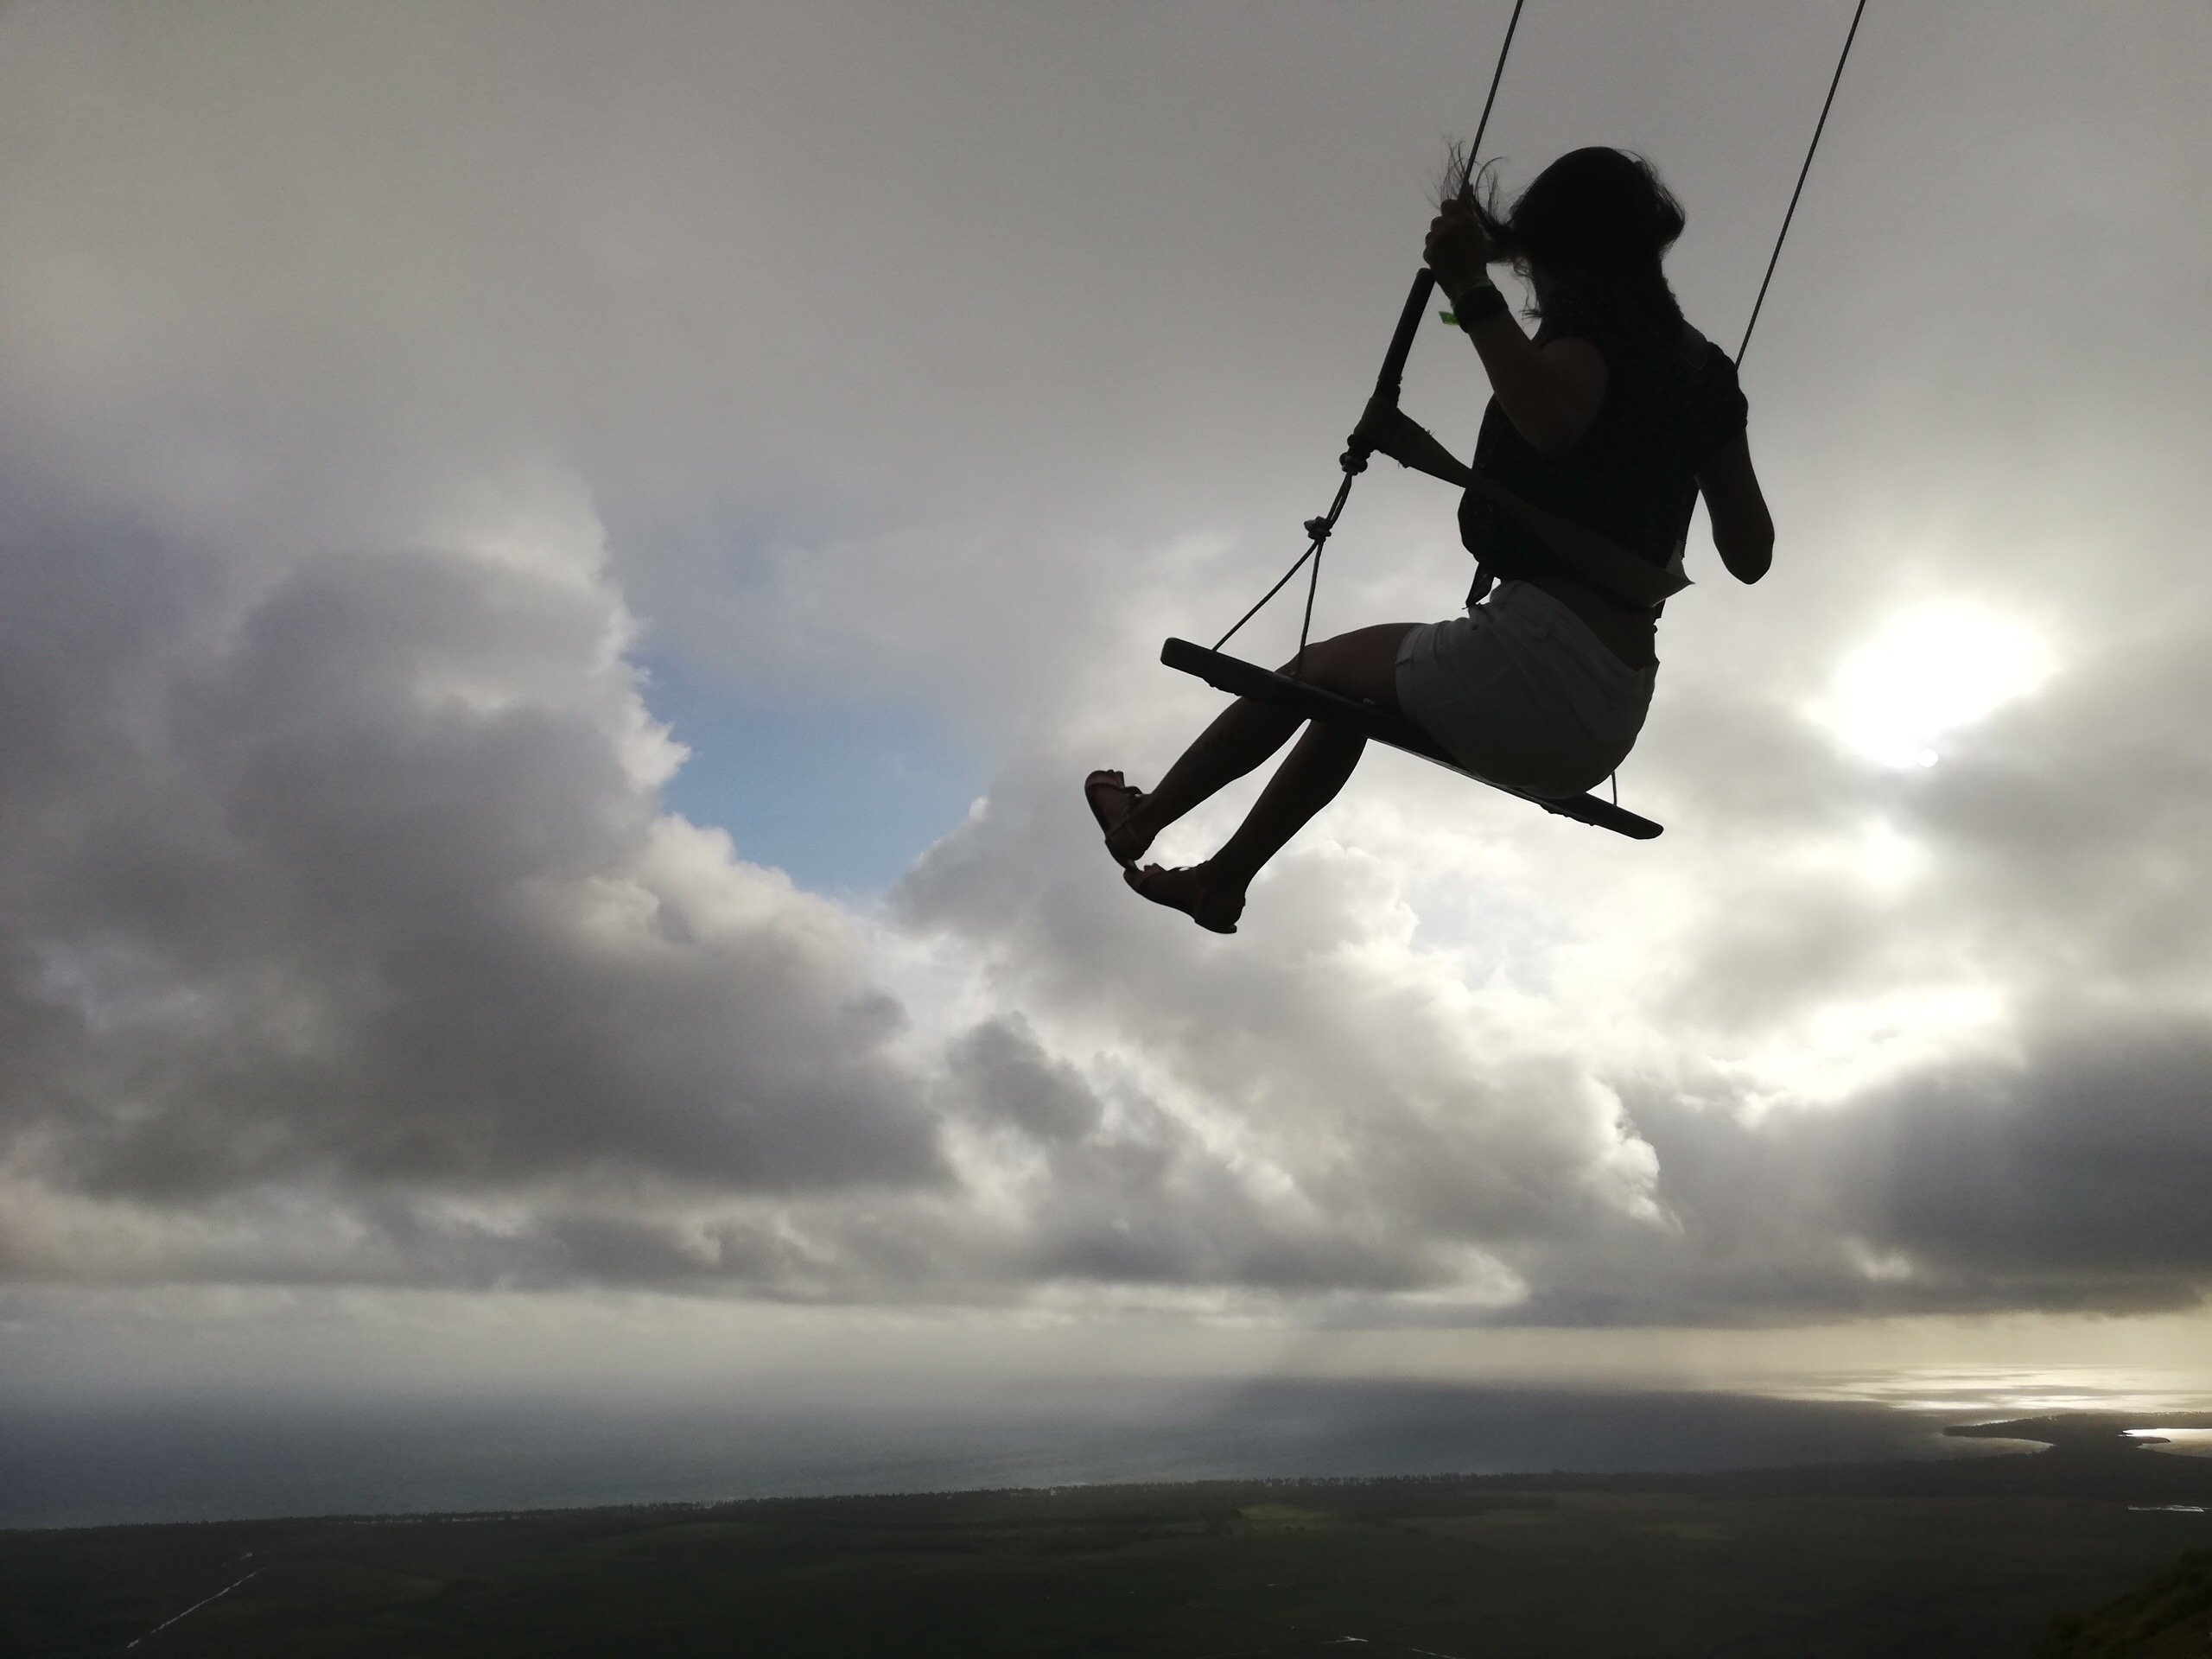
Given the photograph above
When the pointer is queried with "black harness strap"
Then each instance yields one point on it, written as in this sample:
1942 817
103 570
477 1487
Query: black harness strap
1599 560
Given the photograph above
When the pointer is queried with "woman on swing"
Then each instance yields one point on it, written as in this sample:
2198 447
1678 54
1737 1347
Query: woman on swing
1614 416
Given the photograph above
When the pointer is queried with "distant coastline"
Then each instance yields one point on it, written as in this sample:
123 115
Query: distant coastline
66 1463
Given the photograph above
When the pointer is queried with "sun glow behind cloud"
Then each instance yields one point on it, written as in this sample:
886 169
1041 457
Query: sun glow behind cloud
1929 672
1845 1047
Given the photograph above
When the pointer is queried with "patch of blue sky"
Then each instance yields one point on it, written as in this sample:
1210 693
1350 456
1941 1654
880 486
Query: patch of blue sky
842 796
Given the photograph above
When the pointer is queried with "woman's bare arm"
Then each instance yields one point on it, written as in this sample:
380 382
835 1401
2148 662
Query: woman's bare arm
1743 528
1552 392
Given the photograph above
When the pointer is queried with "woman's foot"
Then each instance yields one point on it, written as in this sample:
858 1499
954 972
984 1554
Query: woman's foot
1115 804
1188 889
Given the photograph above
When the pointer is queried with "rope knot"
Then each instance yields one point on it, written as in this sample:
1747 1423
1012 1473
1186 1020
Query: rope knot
1318 528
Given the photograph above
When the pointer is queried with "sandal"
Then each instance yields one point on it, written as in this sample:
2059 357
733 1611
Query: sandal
1102 790
1184 889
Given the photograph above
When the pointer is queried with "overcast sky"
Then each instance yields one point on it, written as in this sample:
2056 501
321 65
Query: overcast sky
561 567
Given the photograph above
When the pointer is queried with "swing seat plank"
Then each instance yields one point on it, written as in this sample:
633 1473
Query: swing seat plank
1243 679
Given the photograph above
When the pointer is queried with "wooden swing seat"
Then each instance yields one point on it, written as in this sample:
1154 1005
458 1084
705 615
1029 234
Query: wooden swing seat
1244 679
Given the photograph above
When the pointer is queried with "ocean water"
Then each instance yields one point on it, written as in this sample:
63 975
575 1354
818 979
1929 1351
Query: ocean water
99 1463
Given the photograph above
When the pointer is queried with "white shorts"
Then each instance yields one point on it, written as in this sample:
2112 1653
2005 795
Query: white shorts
1520 690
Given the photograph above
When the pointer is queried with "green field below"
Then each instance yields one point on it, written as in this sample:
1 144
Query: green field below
1474 1568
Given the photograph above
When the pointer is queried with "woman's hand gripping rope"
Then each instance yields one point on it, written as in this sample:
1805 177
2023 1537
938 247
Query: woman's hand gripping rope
1457 249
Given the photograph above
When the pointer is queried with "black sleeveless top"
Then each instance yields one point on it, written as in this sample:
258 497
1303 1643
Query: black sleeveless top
1671 400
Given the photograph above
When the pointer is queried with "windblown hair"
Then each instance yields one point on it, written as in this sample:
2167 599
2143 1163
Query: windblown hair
1595 223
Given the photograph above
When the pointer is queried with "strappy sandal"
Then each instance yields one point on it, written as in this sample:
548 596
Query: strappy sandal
1184 888
1100 791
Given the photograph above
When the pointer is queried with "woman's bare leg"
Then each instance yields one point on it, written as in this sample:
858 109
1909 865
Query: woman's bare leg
1308 779
1362 664
1240 738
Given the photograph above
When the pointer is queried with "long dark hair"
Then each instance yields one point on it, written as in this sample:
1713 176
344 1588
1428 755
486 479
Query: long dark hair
1596 223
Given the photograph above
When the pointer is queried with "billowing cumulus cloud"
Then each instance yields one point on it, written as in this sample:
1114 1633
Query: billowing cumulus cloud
383 395
358 877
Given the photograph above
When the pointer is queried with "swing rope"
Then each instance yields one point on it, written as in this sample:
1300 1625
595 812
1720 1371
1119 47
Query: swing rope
1354 461
1819 126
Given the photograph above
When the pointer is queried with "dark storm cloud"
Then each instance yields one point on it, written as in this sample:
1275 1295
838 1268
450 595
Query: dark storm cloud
2060 1180
2077 1169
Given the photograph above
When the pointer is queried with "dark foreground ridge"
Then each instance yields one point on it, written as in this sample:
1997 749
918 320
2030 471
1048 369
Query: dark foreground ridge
2167 1618
1958 1558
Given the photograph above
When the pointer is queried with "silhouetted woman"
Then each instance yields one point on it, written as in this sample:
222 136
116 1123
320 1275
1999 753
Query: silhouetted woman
1615 416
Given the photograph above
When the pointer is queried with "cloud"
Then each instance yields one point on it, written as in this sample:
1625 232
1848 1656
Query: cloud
371 387
364 880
